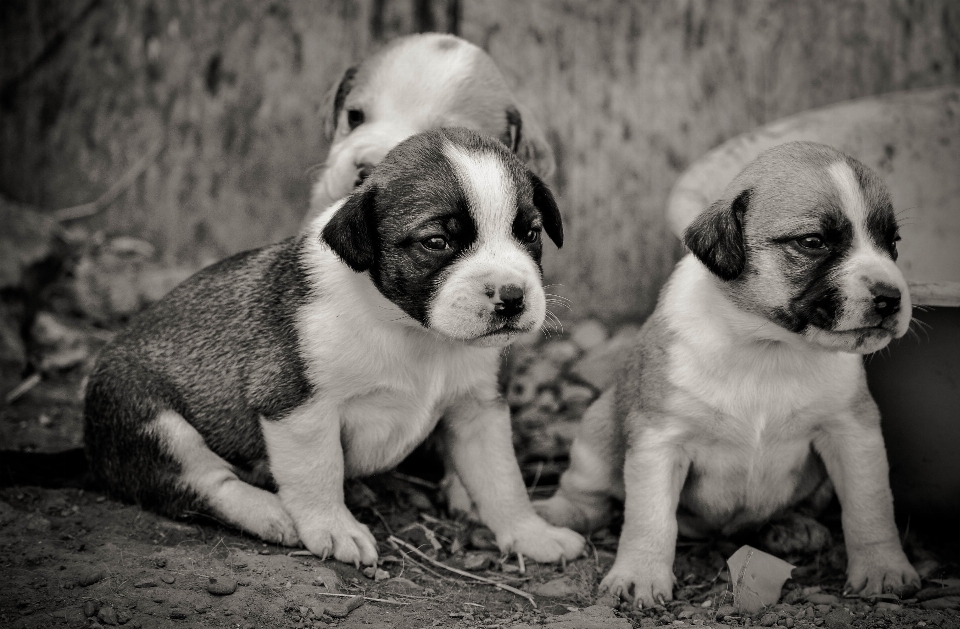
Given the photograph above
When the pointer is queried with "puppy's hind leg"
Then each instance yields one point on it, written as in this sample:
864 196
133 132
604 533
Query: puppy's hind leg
583 501
240 504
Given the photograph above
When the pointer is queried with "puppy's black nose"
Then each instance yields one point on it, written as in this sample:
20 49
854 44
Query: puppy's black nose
886 301
363 171
511 301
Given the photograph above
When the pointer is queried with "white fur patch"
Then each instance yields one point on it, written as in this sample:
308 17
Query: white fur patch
490 190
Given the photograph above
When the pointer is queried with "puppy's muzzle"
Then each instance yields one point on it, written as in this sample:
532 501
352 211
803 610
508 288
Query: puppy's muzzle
509 302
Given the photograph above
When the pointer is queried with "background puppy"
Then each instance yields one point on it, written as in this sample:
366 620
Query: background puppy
417 83
334 354
747 382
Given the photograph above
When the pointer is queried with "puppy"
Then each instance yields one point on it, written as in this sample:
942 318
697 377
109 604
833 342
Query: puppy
746 385
417 83
333 354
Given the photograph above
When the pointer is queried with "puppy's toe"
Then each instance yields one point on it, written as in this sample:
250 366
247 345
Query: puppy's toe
542 542
795 533
458 500
881 570
340 536
641 584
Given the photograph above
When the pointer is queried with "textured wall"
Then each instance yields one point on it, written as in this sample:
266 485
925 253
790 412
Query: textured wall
629 93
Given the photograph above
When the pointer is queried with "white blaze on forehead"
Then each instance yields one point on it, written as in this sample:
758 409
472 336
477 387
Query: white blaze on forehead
489 188
852 201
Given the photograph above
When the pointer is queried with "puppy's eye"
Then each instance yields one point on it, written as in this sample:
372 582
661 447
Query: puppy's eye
355 118
813 241
435 243
532 236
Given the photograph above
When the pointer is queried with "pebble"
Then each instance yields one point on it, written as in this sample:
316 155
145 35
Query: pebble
822 598
221 587
561 352
726 610
949 602
838 619
557 588
89 578
892 607
328 579
123 616
168 578
160 562
146 583
589 334
477 561
90 608
343 607
177 614
768 620
108 616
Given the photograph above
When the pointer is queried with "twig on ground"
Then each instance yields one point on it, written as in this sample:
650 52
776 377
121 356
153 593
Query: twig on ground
125 181
21 389
413 480
367 598
399 542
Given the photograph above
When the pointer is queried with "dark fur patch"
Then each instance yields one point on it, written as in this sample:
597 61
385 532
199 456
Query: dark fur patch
716 237
343 90
221 350
514 132
881 220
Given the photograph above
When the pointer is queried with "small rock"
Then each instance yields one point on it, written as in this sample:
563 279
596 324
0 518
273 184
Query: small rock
222 587
768 620
557 588
107 616
90 608
477 561
343 607
177 614
822 598
34 522
561 352
369 572
482 538
7 513
160 562
328 579
149 582
381 575
89 578
401 585
575 394
890 607
168 578
589 334
123 617
726 610
838 619
823 609
948 602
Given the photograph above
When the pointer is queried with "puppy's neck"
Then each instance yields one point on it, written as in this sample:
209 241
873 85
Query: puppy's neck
698 307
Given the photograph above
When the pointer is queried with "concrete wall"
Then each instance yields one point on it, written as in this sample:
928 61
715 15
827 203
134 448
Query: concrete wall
230 93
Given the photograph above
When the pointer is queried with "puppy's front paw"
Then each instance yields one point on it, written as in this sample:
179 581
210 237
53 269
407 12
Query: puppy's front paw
643 584
338 534
795 533
880 569
536 539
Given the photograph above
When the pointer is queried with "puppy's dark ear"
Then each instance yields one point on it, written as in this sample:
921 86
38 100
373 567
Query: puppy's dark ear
716 237
549 212
351 232
528 142
334 100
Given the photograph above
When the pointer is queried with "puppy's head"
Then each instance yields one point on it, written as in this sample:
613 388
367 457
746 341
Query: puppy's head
449 226
418 83
806 237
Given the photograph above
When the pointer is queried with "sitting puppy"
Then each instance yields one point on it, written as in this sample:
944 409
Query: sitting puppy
747 380
417 83
335 353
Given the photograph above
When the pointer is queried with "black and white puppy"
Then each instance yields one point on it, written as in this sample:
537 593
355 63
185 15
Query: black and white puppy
746 387
416 83
334 354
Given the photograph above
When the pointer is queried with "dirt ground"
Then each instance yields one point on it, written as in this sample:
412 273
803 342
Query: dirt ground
69 557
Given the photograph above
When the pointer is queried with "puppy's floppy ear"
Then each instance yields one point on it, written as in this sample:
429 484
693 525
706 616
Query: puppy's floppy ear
529 144
716 237
334 100
351 231
549 212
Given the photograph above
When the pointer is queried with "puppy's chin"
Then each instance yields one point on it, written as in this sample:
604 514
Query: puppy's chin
492 335
856 341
